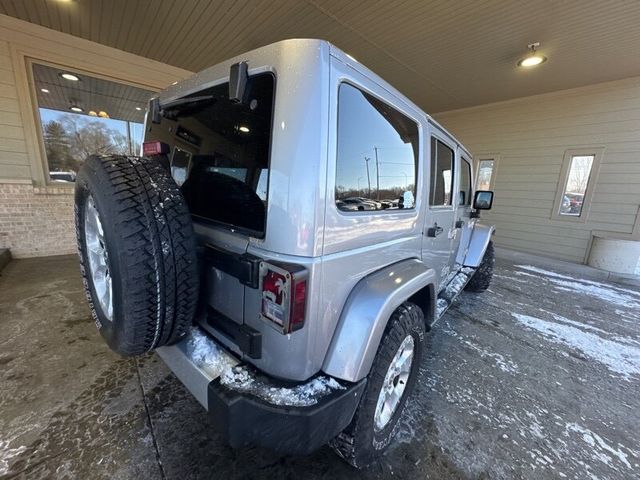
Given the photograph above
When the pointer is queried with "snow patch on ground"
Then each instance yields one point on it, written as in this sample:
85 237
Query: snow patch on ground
609 293
601 450
620 358
501 362
242 380
7 454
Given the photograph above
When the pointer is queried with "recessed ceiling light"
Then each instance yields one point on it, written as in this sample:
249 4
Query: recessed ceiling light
138 108
75 108
44 90
70 76
244 129
533 58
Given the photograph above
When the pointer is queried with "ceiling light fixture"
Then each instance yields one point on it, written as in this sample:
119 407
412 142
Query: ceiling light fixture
533 58
44 90
69 76
138 108
75 108
244 129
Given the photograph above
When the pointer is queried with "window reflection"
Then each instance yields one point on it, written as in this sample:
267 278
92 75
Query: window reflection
377 154
576 185
441 173
465 183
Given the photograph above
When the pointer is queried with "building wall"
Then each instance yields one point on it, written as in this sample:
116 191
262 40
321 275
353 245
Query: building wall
530 136
36 219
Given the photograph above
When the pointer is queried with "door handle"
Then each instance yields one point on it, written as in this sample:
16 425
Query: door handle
434 231
460 224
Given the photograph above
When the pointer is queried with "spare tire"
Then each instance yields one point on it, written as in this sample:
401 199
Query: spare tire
137 252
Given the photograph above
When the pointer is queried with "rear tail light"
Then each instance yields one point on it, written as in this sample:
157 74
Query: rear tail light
154 148
283 289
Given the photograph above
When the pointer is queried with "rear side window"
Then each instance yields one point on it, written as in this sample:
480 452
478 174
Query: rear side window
221 153
377 156
464 197
441 173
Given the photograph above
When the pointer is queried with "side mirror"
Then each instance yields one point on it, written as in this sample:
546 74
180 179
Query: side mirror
483 200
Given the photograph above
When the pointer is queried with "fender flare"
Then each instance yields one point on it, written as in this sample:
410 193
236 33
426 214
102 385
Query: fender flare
478 243
366 313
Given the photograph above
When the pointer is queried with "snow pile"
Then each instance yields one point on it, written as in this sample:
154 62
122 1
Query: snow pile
620 358
206 354
617 295
242 380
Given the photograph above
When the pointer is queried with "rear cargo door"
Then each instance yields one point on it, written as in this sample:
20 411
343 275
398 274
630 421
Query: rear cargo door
222 256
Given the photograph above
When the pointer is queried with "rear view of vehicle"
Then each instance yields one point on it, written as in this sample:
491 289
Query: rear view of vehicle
293 308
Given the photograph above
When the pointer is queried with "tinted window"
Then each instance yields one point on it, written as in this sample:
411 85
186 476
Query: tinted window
222 162
377 154
441 173
465 183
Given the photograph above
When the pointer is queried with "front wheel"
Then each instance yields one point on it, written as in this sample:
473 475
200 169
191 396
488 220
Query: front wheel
391 381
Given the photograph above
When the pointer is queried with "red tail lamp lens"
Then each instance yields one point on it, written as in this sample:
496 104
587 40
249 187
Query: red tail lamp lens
154 148
284 296
298 304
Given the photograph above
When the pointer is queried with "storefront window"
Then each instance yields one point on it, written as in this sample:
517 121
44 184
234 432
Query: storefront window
82 115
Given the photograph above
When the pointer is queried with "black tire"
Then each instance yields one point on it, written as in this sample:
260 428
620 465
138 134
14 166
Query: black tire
150 252
482 277
360 444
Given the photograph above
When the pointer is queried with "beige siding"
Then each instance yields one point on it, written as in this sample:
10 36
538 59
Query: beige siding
531 135
14 162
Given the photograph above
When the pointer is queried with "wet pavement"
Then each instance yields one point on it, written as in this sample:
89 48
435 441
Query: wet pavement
537 378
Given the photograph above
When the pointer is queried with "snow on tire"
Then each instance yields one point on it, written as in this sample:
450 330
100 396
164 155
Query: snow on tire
137 252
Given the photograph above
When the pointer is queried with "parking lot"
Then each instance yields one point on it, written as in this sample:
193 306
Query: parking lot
536 378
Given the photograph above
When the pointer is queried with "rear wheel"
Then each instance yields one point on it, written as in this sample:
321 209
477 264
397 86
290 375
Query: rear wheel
482 277
137 252
391 381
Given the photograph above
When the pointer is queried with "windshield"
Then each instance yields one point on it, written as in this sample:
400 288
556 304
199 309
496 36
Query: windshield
219 152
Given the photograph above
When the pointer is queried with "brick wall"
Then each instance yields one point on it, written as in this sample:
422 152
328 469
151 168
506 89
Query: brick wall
36 221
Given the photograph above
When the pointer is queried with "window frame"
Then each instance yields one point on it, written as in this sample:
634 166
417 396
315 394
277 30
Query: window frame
477 159
454 181
23 60
417 183
468 161
597 153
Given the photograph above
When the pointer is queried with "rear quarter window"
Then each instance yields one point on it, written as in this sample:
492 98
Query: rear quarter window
377 154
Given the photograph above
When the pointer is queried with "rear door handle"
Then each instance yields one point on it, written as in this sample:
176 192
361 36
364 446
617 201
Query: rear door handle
434 231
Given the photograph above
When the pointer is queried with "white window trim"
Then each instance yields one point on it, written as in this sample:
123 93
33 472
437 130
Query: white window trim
597 153
479 158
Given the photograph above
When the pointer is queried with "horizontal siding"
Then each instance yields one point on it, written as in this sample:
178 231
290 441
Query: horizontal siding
14 161
531 135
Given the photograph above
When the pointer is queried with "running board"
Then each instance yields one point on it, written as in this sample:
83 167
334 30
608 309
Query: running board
448 295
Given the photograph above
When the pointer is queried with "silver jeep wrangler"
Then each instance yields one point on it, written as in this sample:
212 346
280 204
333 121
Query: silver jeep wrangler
294 227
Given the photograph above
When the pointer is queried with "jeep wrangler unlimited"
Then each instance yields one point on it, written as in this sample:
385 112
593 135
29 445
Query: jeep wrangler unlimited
294 227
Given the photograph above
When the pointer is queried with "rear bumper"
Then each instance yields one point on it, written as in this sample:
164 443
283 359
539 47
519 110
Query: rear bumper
245 418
